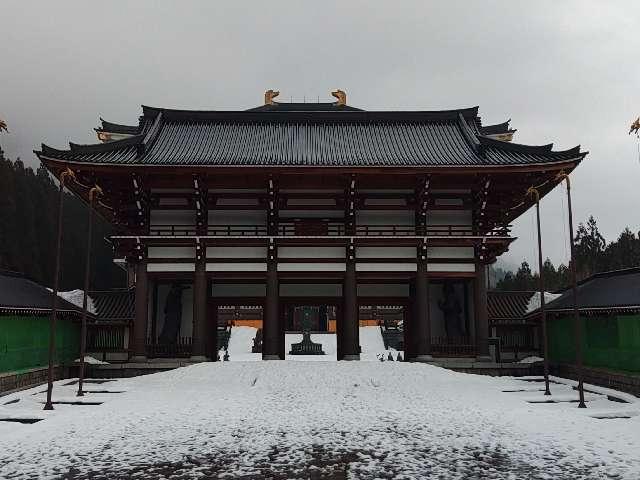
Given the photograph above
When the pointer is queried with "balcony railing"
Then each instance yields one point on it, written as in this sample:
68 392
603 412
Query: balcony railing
322 229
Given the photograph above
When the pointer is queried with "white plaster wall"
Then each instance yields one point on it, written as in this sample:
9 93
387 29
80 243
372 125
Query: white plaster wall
236 267
171 252
237 252
238 290
383 290
311 252
310 290
386 267
450 252
237 217
451 267
285 214
311 267
171 267
449 217
386 217
386 252
173 217
186 326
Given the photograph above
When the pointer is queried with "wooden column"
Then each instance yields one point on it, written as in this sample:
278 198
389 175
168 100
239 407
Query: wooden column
409 321
481 315
138 345
272 326
350 330
199 335
421 327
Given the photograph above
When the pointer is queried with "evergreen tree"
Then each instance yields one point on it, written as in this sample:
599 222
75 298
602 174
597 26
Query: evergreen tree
589 244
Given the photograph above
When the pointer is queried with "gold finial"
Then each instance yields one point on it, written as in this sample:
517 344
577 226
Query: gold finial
3 126
533 191
67 173
341 96
269 95
94 193
635 126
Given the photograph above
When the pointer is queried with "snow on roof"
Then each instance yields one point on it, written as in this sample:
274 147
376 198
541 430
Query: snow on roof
534 301
76 297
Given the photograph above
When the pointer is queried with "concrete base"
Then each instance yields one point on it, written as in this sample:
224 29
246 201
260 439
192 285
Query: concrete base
138 359
484 358
198 358
271 357
351 358
424 358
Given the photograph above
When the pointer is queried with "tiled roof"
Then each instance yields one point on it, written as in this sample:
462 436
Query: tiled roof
114 305
505 307
318 136
20 293
618 289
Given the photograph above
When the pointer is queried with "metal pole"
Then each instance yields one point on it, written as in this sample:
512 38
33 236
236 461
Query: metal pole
574 286
87 272
543 315
56 284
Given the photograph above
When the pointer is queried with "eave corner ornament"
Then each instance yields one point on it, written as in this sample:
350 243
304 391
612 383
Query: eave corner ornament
3 126
635 126
341 96
269 95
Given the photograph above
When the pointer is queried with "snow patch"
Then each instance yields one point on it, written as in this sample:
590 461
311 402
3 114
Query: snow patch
534 301
76 297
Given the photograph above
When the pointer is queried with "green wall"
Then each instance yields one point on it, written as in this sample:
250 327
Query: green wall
24 342
608 341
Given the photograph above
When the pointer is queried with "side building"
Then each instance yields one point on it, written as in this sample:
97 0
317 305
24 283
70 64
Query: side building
319 206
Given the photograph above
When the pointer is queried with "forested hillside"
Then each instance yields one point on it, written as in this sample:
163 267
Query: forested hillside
28 216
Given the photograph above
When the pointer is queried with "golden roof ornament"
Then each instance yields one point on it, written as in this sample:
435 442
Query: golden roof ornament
635 126
3 126
341 96
269 95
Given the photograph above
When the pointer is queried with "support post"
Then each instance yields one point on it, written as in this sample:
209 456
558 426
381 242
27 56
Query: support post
87 274
272 326
199 341
408 324
350 330
574 289
141 312
481 315
422 319
543 314
56 285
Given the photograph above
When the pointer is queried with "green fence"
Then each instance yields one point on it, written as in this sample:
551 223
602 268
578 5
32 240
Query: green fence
608 341
24 342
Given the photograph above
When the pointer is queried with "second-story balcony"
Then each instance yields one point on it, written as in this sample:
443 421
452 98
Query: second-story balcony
324 229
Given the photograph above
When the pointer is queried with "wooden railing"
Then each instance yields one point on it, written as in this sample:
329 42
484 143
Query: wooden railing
319 228
453 347
105 337
181 349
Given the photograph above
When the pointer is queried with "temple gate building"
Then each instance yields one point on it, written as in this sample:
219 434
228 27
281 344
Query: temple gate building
319 211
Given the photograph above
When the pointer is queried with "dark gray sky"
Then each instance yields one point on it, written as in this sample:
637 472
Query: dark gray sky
565 72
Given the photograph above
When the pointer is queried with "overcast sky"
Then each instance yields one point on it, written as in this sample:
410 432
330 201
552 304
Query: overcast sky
564 72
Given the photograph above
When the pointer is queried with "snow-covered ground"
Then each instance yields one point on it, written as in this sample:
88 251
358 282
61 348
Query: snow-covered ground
319 420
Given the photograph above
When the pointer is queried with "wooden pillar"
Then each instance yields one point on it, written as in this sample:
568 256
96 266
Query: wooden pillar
408 324
271 349
421 327
199 335
481 315
350 330
141 312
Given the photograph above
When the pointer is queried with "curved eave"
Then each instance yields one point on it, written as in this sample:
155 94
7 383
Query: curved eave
557 165
110 127
363 116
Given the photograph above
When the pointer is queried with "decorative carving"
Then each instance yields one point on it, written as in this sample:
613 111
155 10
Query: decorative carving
451 310
635 126
341 96
3 126
269 95
172 315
